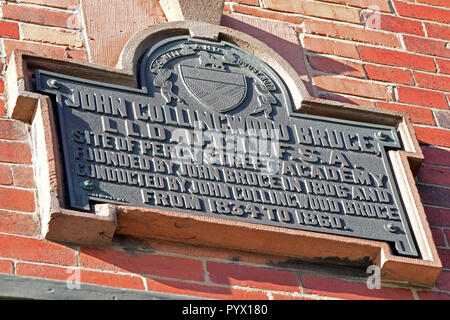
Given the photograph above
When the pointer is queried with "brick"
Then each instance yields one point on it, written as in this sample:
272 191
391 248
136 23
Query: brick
18 223
337 66
112 280
444 255
2 108
438 237
396 58
383 5
438 217
433 136
227 8
442 3
16 199
389 74
15 152
39 16
9 30
347 32
253 277
432 81
84 276
12 130
104 49
422 97
53 3
5 175
422 12
6 266
427 46
438 31
442 118
205 291
146 264
393 24
267 14
437 156
447 235
276 34
30 249
328 46
352 86
179 248
417 115
51 35
443 65
347 99
43 271
315 9
45 49
328 287
434 196
23 177
434 175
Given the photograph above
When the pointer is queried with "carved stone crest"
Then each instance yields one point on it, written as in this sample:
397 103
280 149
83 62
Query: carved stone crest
220 76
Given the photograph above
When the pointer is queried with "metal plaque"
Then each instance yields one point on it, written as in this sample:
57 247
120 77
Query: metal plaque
211 131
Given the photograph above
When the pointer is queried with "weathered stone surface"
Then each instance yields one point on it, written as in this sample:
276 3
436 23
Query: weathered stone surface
194 10
121 19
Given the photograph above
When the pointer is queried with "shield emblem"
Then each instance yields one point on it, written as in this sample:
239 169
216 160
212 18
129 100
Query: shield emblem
220 90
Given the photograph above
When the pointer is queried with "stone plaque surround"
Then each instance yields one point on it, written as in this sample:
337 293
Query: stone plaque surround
64 225
122 145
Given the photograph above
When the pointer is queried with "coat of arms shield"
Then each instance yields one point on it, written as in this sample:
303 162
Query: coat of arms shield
216 88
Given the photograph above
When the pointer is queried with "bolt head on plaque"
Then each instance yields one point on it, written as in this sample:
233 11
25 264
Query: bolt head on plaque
52 83
391 227
382 136
87 185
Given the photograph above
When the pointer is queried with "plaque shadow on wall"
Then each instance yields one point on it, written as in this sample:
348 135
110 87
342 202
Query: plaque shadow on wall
60 222
286 40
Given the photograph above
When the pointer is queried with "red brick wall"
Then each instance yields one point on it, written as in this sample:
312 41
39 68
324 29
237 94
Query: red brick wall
397 58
